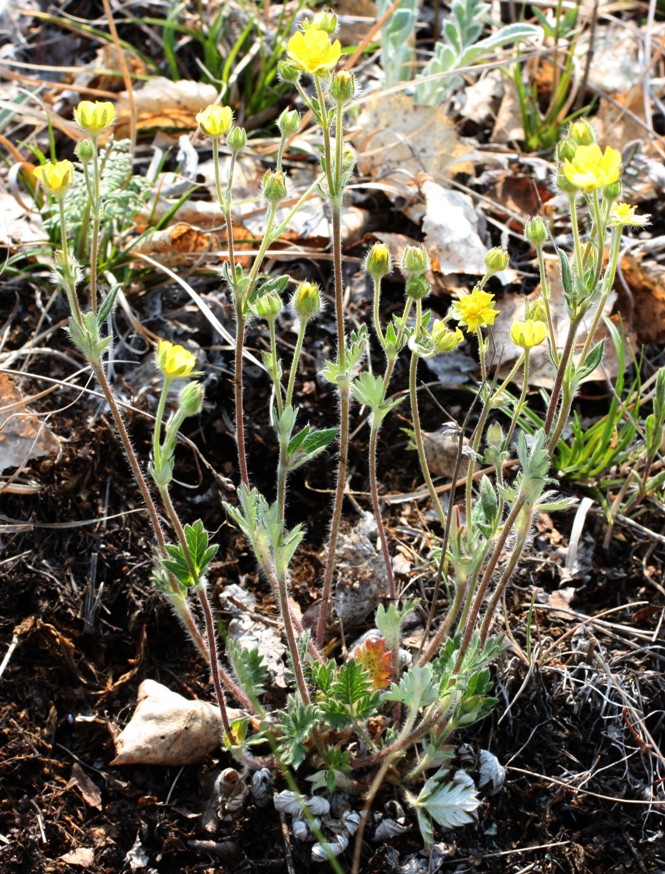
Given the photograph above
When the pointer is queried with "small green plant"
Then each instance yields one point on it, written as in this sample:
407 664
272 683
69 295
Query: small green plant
460 47
385 713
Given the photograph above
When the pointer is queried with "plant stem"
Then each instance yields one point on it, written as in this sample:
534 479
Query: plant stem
560 374
374 489
214 659
94 240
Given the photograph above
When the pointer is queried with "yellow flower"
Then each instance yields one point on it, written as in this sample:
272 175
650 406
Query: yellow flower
55 177
528 334
475 310
590 168
94 117
174 361
312 52
215 120
623 215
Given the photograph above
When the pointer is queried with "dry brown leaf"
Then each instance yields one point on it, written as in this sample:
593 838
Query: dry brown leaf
163 104
87 787
23 435
508 125
182 243
167 729
645 312
452 234
397 140
81 857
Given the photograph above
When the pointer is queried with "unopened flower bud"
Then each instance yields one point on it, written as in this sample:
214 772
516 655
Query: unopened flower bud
289 122
613 191
417 287
565 150
342 87
237 139
563 184
535 231
378 262
494 436
274 186
324 20
287 73
581 133
444 339
191 398
348 160
415 260
496 260
536 311
306 300
268 306
85 151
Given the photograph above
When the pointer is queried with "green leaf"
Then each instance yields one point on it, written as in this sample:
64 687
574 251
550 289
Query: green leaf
450 804
295 726
273 283
248 667
107 305
416 688
586 368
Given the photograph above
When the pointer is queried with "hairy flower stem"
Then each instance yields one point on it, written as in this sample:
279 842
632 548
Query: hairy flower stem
344 410
225 199
520 403
418 439
94 240
280 585
374 489
214 659
70 281
238 392
547 296
560 374
515 556
481 591
180 605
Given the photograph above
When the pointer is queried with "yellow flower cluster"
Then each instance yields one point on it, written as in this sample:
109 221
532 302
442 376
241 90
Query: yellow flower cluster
312 52
175 361
475 310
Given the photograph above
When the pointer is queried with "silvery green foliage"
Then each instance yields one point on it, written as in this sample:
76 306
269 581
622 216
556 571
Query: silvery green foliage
461 47
450 804
397 55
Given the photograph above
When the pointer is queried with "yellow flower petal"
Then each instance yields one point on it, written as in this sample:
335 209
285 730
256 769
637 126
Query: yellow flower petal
215 120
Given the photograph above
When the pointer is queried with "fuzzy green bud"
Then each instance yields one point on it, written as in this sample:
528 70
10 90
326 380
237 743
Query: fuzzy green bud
417 287
535 310
324 20
85 151
415 260
494 436
535 231
378 262
306 300
274 186
565 150
289 122
613 191
287 73
268 306
496 260
237 139
342 87
581 133
191 398
348 160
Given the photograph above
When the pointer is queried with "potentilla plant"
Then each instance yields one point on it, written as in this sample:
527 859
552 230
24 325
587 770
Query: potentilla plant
384 713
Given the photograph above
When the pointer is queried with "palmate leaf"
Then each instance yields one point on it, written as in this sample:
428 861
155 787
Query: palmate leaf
351 697
249 668
295 725
450 804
